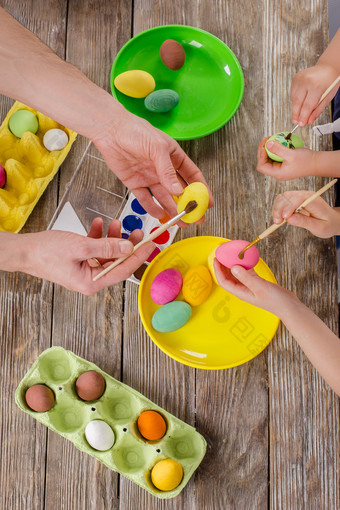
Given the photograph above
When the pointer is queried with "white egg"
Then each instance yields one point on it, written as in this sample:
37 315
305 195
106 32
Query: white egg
99 435
55 139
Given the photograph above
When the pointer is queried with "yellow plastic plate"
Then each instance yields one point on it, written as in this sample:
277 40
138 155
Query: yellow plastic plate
223 332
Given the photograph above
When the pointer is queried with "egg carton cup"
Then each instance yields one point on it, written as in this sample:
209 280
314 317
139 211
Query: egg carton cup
29 167
94 191
119 406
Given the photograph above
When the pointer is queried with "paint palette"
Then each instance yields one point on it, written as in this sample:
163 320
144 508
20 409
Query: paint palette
94 191
119 407
28 164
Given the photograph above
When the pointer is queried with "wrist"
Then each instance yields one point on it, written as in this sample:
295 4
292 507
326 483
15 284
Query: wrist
15 253
108 115
288 307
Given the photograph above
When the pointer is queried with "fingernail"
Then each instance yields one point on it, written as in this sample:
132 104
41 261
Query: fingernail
270 144
235 270
295 121
177 188
301 124
125 246
276 220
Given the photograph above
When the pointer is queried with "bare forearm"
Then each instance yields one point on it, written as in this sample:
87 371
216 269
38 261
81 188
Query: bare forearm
14 252
32 73
318 342
330 56
327 163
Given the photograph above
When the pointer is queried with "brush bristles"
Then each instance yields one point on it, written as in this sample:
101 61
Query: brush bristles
190 206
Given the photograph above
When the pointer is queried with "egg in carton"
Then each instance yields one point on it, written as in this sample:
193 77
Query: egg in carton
117 413
134 216
28 164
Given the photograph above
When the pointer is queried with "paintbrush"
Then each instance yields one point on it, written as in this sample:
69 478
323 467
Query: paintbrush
335 82
275 226
189 208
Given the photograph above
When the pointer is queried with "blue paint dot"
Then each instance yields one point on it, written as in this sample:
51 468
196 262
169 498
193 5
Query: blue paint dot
136 207
131 222
125 236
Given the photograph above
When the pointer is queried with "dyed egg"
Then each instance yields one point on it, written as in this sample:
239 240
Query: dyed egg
161 101
22 121
172 54
211 259
166 286
171 316
90 385
167 474
135 83
197 284
2 176
151 425
40 398
99 435
227 254
195 191
294 142
55 139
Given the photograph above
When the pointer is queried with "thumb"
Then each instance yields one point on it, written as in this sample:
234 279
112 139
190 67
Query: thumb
105 248
167 174
278 149
247 278
301 220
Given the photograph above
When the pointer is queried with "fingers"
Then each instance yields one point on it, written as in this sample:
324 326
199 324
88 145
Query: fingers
264 164
105 248
144 197
309 104
114 229
165 199
188 170
286 203
167 173
124 270
230 284
297 95
278 149
96 229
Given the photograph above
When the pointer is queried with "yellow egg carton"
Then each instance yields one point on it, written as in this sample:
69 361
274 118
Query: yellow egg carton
29 167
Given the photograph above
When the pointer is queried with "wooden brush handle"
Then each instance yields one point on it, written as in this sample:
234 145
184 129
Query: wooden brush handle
335 82
308 200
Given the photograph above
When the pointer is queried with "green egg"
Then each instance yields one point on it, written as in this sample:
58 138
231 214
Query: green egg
171 316
295 142
161 101
22 121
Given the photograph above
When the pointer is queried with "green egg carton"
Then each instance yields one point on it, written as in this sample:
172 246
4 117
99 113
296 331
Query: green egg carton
119 406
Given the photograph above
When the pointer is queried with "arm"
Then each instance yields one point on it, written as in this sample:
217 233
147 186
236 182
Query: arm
309 85
65 258
140 155
318 342
297 162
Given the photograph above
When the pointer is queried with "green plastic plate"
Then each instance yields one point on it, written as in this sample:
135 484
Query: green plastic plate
210 84
119 406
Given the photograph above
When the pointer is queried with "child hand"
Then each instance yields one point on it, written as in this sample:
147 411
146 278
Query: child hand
318 217
63 257
296 162
248 286
306 90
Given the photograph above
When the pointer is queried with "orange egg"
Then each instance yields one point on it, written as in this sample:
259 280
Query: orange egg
151 425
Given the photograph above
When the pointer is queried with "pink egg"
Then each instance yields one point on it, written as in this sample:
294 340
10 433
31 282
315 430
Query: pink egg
166 286
227 254
2 176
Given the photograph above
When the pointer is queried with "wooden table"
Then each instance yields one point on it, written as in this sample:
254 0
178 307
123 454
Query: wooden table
272 425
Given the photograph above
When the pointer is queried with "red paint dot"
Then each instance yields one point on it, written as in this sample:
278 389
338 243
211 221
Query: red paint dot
155 252
161 239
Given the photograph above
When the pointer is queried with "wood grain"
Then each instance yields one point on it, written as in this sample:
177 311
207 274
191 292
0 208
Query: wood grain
272 425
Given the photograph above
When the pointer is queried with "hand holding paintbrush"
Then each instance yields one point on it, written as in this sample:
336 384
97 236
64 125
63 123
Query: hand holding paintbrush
275 226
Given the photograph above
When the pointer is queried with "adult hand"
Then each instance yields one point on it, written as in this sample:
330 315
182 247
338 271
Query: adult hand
62 257
306 90
248 286
144 157
296 162
318 217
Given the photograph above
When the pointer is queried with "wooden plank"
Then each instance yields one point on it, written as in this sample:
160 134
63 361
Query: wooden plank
89 326
304 412
25 328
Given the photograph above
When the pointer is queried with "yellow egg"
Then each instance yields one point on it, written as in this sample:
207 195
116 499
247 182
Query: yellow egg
197 285
198 192
135 83
211 259
167 474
